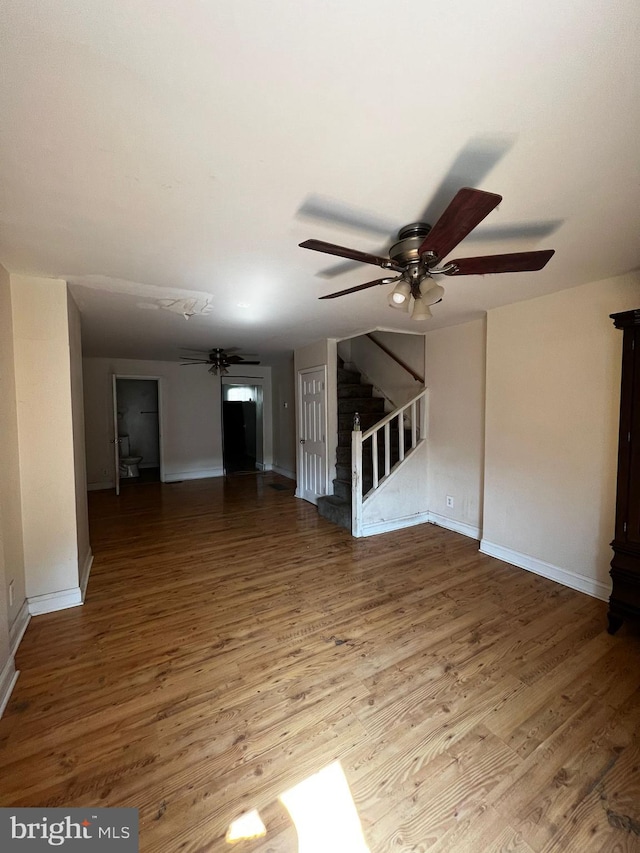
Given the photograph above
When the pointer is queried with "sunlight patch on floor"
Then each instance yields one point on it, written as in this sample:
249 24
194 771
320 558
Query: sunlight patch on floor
322 810
324 813
247 826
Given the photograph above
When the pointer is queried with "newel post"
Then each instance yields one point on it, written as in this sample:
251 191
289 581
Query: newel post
356 481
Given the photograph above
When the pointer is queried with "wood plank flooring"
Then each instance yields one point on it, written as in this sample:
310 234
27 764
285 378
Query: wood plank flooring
233 643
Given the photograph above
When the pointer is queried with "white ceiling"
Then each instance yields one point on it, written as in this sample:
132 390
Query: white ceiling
158 149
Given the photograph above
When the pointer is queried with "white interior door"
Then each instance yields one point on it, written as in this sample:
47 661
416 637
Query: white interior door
116 440
312 459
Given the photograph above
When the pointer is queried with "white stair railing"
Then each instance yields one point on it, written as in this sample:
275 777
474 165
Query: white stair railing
410 417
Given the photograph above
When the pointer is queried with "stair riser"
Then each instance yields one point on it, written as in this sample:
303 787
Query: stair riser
359 391
348 377
359 404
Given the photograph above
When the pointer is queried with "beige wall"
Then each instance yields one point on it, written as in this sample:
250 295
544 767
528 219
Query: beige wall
553 376
11 562
284 417
191 416
385 374
455 379
45 434
324 352
10 500
79 454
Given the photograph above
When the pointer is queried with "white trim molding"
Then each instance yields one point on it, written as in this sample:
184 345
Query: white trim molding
394 524
202 474
52 601
456 526
566 577
19 626
84 574
8 678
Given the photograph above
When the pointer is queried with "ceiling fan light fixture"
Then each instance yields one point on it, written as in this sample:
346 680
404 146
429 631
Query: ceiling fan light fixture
399 296
421 310
431 292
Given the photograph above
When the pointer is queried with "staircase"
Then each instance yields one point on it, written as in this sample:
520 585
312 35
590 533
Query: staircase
353 396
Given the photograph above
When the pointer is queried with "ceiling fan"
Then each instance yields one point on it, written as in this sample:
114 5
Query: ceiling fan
421 247
219 359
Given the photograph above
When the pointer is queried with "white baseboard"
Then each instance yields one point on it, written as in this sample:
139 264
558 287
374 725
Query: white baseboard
98 487
456 526
8 677
202 474
52 601
394 524
284 472
19 627
573 580
85 572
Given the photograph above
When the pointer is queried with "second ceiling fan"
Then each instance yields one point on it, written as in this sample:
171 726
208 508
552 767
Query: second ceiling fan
219 359
421 247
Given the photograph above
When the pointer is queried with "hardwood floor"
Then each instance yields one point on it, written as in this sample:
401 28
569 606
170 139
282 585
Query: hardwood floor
233 643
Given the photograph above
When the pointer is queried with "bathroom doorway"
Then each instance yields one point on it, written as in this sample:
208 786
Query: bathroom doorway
242 427
138 456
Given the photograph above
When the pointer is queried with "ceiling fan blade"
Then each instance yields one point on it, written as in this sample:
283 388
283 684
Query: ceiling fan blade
187 363
361 287
352 254
338 213
472 164
468 208
514 262
238 359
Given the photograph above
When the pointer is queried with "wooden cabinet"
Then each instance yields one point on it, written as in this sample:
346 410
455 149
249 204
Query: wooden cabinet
625 566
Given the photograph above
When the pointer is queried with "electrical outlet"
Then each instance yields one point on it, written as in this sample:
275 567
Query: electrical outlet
11 594
449 502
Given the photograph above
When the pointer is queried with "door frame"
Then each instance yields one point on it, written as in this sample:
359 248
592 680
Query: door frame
300 422
264 383
114 399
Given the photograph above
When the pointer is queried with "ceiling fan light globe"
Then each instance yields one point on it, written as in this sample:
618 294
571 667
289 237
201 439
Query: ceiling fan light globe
431 292
421 310
399 296
398 306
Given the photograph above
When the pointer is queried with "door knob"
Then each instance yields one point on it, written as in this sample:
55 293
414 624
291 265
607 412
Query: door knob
302 440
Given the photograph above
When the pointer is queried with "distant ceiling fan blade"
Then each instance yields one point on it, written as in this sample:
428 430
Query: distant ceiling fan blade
238 359
187 363
361 287
468 208
514 262
352 254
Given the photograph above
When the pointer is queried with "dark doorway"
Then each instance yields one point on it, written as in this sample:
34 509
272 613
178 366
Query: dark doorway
138 430
240 428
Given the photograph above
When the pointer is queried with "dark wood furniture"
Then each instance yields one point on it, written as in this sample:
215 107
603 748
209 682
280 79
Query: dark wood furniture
625 566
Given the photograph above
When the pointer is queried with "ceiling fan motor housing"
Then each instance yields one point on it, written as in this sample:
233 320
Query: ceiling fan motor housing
410 238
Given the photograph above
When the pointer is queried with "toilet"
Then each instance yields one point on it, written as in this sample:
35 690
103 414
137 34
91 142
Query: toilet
128 462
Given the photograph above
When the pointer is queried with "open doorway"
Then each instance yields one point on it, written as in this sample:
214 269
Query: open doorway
242 427
137 407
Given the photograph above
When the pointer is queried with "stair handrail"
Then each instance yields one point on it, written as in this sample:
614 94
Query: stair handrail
396 358
396 412
418 419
